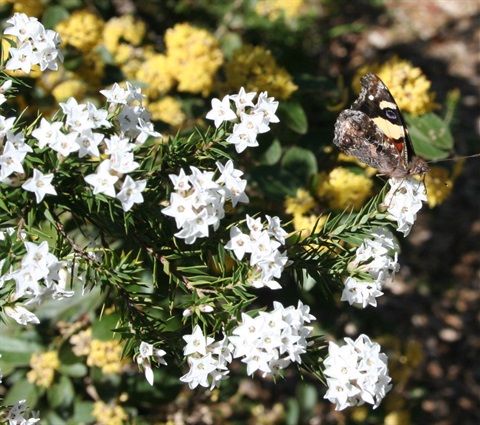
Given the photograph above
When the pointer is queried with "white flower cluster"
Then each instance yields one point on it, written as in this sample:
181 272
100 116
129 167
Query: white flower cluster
207 359
18 415
80 133
146 351
36 45
373 257
199 199
404 200
357 373
267 343
262 244
253 118
40 276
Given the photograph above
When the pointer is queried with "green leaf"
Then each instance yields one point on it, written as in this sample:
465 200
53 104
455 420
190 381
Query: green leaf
77 370
22 390
82 413
292 114
430 135
276 182
273 154
103 328
61 393
17 351
301 163
308 397
53 15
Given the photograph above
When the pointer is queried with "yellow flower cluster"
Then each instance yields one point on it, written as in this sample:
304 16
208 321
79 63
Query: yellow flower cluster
194 57
122 37
43 367
342 188
300 207
29 7
106 414
81 30
275 9
439 184
81 342
106 355
254 68
155 72
408 85
299 204
169 110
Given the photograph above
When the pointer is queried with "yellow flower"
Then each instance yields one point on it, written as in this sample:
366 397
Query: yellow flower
43 367
342 188
408 85
82 30
254 68
155 72
439 185
304 224
123 30
299 204
274 9
106 414
81 342
194 56
29 7
106 355
69 88
168 110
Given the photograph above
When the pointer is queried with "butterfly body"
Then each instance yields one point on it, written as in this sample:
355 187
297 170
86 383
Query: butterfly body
373 131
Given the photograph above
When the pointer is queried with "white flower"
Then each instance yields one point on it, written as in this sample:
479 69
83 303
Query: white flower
40 184
200 368
65 144
11 160
267 106
377 257
404 200
243 100
88 142
6 124
239 243
17 415
102 181
131 192
116 94
196 342
356 373
36 45
269 341
221 111
47 133
21 315
262 246
362 293
98 117
146 351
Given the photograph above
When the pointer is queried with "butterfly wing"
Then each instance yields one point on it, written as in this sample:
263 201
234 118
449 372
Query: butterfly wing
374 131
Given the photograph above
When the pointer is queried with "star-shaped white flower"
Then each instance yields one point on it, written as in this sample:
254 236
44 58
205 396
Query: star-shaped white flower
221 111
102 181
40 184
131 192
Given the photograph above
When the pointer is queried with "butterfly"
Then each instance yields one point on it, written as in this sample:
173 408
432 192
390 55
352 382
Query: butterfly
373 130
